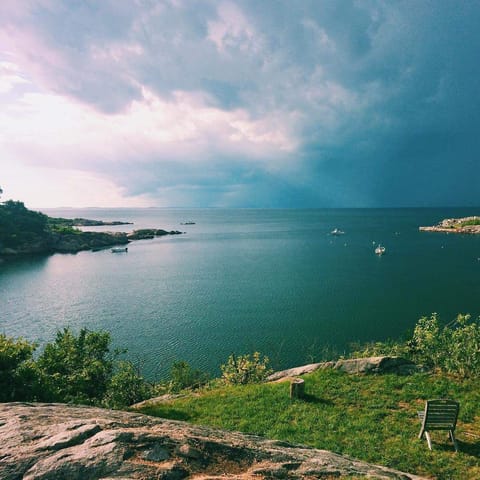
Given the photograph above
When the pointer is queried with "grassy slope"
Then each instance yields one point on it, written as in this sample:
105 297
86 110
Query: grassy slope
372 418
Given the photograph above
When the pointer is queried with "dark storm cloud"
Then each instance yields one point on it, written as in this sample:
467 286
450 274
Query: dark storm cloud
379 98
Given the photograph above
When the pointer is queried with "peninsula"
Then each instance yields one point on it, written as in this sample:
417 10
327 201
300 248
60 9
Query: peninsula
26 232
83 222
469 225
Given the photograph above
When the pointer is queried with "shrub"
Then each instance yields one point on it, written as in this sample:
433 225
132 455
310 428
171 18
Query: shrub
453 348
77 368
245 369
126 387
462 347
183 376
427 344
18 375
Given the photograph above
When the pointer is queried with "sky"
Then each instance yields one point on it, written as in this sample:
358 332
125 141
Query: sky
268 104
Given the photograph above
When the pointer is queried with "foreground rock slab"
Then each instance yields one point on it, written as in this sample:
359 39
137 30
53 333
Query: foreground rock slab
57 442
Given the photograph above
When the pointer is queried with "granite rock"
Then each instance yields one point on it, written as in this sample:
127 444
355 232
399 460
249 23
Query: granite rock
62 442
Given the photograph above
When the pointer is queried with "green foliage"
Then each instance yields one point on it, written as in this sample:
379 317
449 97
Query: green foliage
17 371
473 221
126 387
453 348
245 369
183 376
428 342
64 229
19 225
74 368
375 349
77 368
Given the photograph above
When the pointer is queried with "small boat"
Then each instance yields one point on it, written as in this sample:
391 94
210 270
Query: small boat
119 249
380 250
336 231
188 223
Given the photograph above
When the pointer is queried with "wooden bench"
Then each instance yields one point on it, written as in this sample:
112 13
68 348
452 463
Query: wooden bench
439 415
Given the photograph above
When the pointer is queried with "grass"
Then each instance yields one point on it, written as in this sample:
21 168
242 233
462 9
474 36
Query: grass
373 418
473 221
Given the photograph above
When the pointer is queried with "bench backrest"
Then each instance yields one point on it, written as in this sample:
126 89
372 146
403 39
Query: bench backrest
440 415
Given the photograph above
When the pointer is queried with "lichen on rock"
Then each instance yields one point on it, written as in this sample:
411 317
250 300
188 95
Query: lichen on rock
62 442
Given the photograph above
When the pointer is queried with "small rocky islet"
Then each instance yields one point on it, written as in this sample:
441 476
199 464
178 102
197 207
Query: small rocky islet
466 225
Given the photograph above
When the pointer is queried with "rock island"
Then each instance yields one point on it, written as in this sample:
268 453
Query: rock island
456 225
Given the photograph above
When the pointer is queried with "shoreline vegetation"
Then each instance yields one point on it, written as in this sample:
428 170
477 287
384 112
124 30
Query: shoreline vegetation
466 225
25 232
371 416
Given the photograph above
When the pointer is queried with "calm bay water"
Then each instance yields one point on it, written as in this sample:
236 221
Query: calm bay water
244 280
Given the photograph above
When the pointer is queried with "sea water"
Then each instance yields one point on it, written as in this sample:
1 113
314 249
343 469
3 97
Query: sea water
245 280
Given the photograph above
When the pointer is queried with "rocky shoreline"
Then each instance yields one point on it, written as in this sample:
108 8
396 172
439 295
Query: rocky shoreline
72 240
467 225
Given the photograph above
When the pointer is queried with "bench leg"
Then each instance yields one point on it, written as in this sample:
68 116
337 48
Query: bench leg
429 440
454 441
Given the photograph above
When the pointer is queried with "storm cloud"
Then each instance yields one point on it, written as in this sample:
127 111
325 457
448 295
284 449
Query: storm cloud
229 103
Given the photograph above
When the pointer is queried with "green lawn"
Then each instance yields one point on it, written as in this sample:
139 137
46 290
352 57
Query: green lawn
372 418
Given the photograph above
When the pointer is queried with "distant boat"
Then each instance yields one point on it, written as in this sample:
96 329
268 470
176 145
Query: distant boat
336 231
188 223
380 250
119 249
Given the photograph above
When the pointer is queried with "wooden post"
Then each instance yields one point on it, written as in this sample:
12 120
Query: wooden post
297 388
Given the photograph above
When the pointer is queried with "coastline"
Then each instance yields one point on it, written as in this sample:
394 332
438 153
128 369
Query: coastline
465 225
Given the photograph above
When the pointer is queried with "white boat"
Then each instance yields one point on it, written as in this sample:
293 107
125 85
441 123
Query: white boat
336 231
380 250
119 249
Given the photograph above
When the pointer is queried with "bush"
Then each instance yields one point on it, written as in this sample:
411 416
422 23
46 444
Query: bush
77 368
453 348
245 369
183 376
18 375
126 387
74 368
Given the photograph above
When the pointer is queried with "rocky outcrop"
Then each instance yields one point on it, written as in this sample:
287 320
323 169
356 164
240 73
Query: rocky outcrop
382 364
84 222
55 242
149 233
456 225
76 242
60 442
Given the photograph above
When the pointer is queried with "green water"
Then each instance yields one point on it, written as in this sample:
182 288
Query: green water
246 280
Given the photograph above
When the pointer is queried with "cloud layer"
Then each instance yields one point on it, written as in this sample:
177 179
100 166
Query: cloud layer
269 104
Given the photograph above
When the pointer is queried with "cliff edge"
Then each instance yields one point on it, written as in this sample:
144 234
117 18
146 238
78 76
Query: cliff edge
56 441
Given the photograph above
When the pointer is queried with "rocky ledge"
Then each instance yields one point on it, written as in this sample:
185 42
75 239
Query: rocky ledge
456 225
148 233
54 242
381 364
56 441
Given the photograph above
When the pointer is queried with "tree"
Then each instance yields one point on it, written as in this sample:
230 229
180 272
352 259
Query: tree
17 370
77 368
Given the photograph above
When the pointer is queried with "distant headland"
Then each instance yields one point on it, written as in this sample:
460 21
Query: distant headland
26 232
470 225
